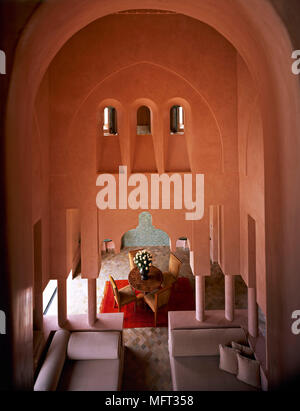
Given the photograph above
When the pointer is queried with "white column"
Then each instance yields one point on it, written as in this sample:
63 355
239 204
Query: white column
200 297
229 297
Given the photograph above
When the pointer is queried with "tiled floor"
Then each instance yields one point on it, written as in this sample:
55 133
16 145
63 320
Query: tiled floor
147 364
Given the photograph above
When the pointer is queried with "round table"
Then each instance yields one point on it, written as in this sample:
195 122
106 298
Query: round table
154 281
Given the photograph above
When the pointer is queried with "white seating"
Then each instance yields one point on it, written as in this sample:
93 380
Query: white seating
82 361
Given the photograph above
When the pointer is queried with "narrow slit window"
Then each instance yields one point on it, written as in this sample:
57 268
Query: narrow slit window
176 120
143 121
110 121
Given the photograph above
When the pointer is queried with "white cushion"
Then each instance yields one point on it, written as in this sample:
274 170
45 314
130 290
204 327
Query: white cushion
228 359
248 371
97 375
203 374
94 345
242 348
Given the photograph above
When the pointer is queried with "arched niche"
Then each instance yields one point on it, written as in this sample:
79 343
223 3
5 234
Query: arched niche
200 147
110 123
108 150
143 121
177 118
143 155
178 147
145 234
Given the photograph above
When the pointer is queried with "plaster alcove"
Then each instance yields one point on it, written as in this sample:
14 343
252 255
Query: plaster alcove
144 234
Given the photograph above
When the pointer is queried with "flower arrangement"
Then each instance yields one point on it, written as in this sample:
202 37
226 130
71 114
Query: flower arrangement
143 260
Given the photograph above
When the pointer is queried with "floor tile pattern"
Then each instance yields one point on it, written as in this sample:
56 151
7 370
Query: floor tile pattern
147 365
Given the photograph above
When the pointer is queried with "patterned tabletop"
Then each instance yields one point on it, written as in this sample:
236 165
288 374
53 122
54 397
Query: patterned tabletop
154 281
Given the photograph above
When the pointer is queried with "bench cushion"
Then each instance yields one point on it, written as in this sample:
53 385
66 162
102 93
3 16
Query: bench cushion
202 342
93 345
203 374
90 375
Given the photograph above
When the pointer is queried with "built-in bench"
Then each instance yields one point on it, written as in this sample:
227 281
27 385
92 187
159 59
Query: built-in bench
194 354
82 361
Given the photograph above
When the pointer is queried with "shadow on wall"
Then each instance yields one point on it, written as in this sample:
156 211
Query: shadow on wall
145 234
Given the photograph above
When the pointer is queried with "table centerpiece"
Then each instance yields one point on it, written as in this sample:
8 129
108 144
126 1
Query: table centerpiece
143 261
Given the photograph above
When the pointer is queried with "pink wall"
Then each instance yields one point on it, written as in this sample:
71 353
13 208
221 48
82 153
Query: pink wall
41 171
73 239
90 72
251 168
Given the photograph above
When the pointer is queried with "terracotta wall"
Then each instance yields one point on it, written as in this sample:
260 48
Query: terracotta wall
73 239
41 172
251 168
127 61
16 368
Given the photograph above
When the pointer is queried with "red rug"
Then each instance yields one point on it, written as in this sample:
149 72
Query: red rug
182 299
